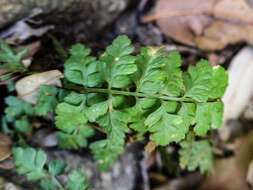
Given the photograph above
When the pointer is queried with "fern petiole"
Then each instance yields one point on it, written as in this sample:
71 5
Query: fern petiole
96 127
137 94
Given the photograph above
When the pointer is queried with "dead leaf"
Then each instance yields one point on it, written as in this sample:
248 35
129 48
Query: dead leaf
209 24
5 146
28 87
221 33
183 28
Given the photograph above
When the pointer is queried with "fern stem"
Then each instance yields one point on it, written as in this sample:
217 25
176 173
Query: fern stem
137 94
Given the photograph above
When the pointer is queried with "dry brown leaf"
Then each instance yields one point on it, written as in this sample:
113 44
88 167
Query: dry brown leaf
183 28
28 87
209 24
5 146
222 33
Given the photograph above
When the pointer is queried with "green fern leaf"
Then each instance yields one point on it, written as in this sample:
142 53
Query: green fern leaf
194 154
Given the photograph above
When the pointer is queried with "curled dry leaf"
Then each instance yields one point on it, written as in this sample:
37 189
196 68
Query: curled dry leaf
209 24
5 146
28 87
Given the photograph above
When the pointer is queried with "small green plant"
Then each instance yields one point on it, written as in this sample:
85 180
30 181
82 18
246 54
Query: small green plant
126 96
7 55
32 163
47 100
17 114
194 154
147 93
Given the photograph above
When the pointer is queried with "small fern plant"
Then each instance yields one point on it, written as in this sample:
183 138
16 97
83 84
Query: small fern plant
124 95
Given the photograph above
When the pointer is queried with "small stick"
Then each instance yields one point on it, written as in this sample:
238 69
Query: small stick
6 74
8 80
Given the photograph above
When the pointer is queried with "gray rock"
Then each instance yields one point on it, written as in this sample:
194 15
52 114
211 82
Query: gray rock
103 11
44 138
121 175
81 19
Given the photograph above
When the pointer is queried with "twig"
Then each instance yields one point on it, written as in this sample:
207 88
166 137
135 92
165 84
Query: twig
6 74
8 80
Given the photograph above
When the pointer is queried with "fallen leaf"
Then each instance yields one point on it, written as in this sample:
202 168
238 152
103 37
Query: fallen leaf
183 28
209 24
28 87
221 33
